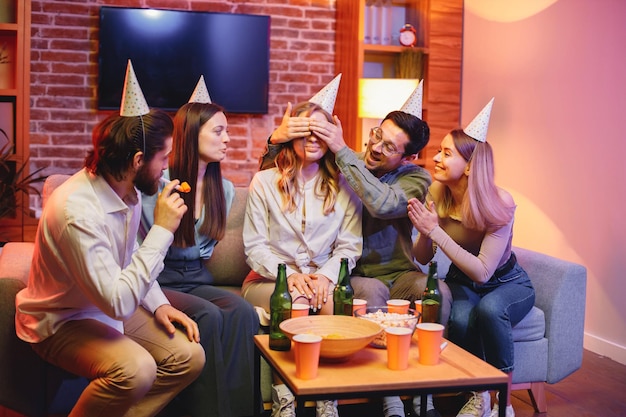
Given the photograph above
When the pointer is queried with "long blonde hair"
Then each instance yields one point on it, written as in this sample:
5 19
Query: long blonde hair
289 165
482 207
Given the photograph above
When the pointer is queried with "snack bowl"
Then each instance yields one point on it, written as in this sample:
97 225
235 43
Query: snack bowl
342 336
384 318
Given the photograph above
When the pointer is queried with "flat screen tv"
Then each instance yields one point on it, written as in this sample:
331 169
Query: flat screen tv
170 49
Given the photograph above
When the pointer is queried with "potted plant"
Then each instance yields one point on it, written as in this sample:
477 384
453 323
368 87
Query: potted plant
14 181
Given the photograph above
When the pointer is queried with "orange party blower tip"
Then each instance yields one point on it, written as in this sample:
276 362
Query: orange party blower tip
184 187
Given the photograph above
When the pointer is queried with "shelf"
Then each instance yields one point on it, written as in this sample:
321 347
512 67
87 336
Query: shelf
439 32
389 49
8 27
14 94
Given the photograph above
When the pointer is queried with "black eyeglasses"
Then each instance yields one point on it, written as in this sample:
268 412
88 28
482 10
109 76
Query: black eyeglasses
387 148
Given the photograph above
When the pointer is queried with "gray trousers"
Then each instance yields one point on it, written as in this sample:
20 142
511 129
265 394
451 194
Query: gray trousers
408 286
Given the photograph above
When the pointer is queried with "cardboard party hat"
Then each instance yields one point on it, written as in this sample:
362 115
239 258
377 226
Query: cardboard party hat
413 105
326 97
201 93
133 101
477 128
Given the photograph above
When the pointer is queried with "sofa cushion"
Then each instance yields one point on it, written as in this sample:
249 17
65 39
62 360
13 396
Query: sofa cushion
228 262
532 327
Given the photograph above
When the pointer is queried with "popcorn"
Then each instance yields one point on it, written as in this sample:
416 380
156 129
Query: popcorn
386 320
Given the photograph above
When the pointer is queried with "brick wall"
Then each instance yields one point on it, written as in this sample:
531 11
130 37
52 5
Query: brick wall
64 52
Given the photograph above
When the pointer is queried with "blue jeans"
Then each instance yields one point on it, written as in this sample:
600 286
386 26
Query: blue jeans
483 316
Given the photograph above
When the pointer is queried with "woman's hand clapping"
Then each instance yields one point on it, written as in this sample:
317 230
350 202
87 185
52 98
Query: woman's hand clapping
423 216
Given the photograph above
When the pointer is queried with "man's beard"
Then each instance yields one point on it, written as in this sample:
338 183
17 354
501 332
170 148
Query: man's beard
145 182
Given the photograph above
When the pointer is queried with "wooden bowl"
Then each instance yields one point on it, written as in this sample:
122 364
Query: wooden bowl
342 336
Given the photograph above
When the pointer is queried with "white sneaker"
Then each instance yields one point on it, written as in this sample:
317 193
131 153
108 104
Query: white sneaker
509 411
326 408
477 406
282 402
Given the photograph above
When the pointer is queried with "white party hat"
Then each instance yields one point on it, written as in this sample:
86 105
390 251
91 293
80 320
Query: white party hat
201 93
133 101
326 97
477 128
413 105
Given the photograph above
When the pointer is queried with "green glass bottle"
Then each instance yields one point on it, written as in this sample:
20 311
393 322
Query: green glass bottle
431 297
280 310
343 293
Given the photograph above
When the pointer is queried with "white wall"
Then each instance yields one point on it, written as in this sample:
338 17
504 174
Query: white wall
557 127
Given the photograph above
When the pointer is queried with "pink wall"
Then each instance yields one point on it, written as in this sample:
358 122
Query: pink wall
559 79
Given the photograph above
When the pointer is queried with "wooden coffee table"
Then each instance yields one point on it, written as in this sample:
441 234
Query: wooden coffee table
365 375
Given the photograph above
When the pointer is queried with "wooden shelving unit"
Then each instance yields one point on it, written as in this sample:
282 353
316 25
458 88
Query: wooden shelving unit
15 97
439 25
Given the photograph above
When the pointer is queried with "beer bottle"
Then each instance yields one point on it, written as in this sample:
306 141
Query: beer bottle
431 297
280 310
343 292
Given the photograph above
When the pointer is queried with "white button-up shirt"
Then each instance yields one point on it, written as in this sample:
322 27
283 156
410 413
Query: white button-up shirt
87 263
305 239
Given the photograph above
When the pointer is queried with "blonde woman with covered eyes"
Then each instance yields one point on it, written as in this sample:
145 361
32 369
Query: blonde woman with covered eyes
302 213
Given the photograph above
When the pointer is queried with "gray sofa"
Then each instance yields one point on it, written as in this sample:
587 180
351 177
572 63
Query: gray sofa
548 342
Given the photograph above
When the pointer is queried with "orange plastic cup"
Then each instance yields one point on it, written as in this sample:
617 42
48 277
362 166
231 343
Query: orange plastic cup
307 354
398 344
429 342
299 310
418 308
358 304
398 306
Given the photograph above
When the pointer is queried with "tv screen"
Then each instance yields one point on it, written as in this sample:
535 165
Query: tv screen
170 50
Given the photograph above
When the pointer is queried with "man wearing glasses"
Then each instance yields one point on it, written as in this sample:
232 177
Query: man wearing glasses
385 178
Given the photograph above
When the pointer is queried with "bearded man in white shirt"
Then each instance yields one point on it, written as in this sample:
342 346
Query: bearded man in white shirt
92 305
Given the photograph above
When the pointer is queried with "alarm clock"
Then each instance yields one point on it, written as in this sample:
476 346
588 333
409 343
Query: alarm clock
408 35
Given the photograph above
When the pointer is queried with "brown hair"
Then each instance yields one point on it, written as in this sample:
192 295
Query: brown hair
183 165
117 139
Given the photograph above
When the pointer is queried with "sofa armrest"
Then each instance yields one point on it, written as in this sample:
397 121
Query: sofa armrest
560 288
21 368
15 260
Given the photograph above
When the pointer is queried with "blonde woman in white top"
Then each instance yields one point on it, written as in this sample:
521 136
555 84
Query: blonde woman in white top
301 213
